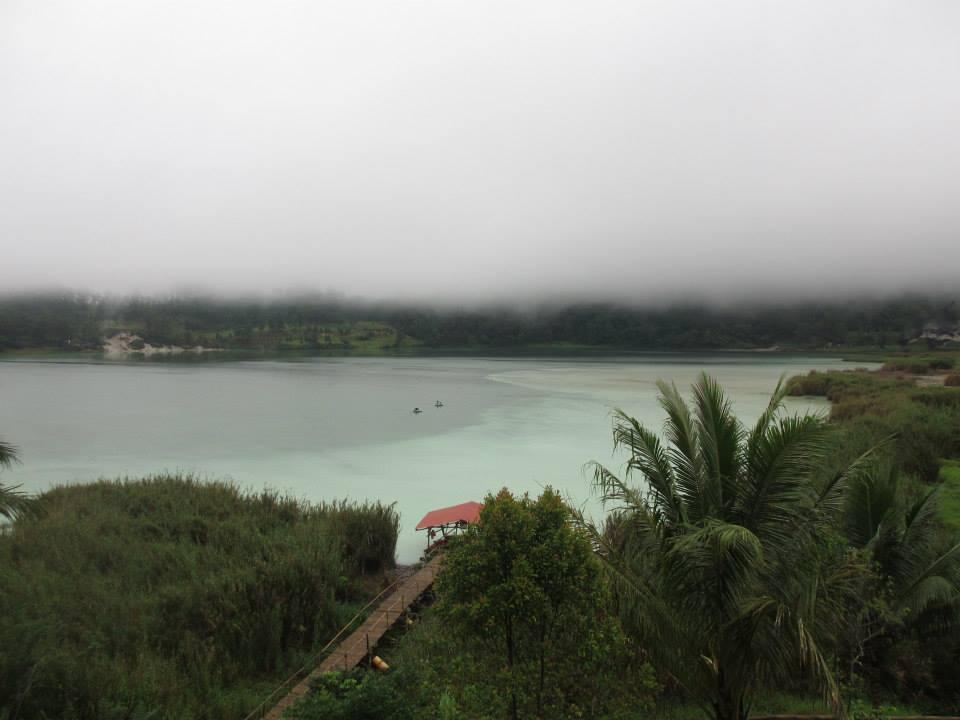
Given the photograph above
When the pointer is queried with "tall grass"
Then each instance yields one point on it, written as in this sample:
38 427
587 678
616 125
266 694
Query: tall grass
169 597
870 407
367 533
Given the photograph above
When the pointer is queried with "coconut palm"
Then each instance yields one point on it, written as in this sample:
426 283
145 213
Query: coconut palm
13 503
716 559
906 542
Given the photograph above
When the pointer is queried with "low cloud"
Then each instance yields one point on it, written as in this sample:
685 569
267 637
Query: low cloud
472 152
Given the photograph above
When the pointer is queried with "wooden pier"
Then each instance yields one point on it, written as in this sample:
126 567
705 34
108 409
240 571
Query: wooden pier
357 646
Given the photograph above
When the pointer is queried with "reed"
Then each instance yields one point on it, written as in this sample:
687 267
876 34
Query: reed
174 597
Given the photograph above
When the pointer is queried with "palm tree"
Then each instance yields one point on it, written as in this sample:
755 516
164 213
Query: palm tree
717 563
916 560
904 539
13 503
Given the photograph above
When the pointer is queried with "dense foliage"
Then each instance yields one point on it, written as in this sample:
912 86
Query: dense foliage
172 598
925 421
751 566
523 627
524 586
906 635
905 517
724 567
329 324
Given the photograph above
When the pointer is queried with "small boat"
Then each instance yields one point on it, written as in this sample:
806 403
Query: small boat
417 411
438 404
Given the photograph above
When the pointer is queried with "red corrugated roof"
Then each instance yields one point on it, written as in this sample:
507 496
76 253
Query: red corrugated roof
468 512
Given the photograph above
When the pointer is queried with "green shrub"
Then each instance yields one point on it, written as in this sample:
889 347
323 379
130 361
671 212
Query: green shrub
357 695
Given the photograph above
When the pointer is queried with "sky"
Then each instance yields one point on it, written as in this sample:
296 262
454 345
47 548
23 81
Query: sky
453 149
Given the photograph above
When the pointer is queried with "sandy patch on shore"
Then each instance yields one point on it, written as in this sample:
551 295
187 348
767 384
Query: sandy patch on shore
123 344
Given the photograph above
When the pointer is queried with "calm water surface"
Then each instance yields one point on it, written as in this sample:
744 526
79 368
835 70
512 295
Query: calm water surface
333 428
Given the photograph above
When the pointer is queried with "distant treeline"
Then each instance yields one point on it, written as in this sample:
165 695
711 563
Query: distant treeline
321 323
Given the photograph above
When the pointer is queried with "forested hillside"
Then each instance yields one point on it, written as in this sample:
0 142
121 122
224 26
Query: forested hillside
78 322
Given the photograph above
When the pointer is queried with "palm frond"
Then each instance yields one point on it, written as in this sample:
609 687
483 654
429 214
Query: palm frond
767 416
684 451
9 454
871 503
648 456
920 591
777 491
833 493
15 504
720 436
720 557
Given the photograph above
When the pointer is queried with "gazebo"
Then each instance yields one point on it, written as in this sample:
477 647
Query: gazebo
447 522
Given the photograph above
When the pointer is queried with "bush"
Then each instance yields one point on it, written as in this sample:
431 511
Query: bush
357 695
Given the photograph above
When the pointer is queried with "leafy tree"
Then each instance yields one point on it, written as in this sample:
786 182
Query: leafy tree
524 584
722 567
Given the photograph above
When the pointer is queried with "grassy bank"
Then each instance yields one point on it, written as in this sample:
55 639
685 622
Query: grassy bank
171 598
924 421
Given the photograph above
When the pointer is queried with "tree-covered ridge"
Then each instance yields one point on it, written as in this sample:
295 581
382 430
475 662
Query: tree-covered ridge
75 322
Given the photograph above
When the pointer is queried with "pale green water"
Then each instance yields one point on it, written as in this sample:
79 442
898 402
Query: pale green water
323 428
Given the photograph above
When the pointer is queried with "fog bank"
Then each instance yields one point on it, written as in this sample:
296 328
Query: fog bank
469 152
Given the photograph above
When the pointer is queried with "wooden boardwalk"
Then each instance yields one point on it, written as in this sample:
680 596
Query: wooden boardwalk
356 646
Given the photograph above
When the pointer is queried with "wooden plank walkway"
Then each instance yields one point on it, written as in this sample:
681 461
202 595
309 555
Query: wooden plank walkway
356 646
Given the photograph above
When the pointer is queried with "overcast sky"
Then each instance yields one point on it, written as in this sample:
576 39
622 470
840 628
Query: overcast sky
480 149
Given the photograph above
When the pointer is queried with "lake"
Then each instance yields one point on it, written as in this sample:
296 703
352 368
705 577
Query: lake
324 428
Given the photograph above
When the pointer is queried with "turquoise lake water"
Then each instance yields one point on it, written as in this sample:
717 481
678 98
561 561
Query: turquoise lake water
331 428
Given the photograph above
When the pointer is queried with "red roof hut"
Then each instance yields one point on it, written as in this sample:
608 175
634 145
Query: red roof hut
448 521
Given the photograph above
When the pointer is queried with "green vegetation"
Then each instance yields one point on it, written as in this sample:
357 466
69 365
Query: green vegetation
871 407
524 586
319 324
724 569
523 627
916 585
173 598
750 568
950 493
13 503
913 497
797 565
920 364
